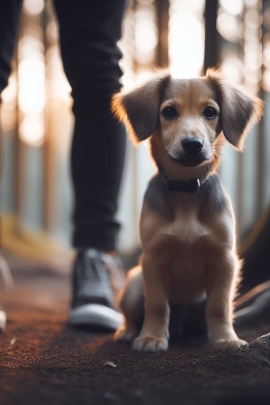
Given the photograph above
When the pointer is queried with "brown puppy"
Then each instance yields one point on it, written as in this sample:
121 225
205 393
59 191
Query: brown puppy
187 225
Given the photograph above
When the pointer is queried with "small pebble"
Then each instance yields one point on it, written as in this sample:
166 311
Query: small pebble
110 364
13 340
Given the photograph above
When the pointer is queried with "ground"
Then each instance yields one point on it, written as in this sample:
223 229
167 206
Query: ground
44 361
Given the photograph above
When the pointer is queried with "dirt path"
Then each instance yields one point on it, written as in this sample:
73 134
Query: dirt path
43 361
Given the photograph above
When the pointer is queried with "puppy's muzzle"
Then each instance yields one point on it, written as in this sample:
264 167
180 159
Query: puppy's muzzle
192 146
193 153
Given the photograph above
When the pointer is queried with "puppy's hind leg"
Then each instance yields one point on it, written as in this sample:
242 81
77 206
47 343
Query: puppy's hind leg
131 303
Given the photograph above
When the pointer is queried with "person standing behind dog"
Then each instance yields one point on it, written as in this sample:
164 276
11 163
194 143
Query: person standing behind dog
88 39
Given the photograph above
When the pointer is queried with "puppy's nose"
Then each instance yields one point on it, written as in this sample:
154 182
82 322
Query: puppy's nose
192 145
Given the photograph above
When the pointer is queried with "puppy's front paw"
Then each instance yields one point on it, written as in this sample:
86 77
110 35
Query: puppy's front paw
150 344
231 344
125 334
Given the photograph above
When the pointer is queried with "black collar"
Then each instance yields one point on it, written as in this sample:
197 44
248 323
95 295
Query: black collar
190 186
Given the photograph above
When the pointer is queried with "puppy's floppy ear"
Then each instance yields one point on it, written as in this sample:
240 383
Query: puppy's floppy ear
139 108
238 111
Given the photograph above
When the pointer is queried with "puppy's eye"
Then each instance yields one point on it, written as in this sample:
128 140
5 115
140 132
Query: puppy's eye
210 113
169 112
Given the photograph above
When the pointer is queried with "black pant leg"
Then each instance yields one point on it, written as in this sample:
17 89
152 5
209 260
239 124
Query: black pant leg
89 32
10 11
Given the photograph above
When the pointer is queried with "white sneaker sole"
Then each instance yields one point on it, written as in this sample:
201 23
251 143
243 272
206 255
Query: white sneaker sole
3 320
95 315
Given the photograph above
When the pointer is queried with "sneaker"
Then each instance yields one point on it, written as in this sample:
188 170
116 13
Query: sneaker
97 278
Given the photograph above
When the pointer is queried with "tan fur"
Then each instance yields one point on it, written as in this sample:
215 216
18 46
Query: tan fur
188 250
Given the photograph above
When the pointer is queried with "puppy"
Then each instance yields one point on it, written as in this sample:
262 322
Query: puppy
187 225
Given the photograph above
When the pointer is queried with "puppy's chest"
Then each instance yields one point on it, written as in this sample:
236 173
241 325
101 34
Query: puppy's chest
186 242
185 226
179 229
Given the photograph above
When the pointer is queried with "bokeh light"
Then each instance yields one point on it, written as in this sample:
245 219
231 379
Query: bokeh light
186 39
31 130
233 7
31 87
229 27
145 34
31 72
232 68
33 7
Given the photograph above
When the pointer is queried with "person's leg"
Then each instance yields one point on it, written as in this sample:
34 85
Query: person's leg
10 12
88 39
9 21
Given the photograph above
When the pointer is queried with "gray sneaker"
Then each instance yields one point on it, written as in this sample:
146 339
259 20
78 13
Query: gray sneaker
97 277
